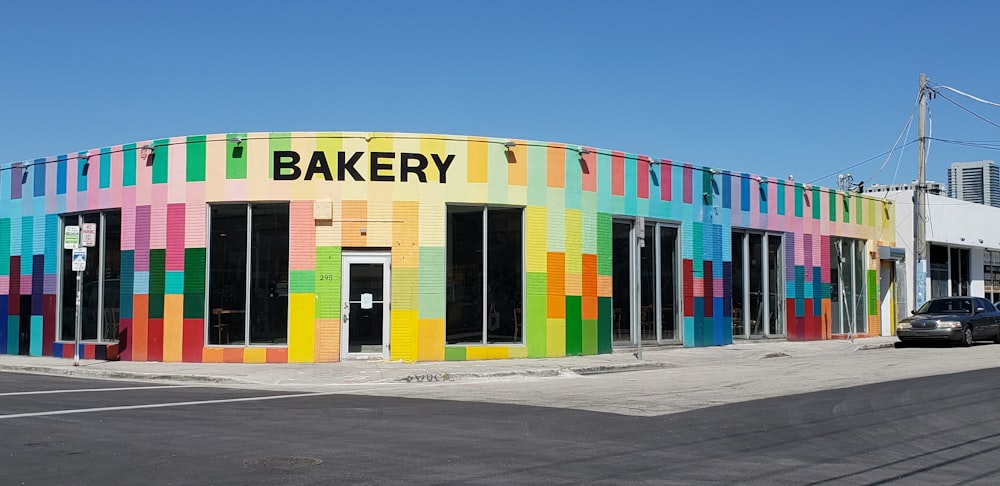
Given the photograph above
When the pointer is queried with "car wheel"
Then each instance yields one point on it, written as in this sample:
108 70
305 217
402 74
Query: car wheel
996 339
902 344
966 336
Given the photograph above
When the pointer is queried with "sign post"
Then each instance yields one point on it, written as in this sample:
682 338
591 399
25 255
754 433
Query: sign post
71 241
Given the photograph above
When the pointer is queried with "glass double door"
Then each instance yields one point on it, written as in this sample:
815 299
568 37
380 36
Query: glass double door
365 302
758 285
644 282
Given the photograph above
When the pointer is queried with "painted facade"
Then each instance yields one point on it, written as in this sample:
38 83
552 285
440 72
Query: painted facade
354 191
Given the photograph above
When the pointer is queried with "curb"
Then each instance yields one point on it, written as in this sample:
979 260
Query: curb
121 375
866 347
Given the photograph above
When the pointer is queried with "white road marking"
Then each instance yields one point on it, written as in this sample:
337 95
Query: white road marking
160 405
86 390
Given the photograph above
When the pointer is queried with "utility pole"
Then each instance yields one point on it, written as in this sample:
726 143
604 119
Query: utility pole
919 204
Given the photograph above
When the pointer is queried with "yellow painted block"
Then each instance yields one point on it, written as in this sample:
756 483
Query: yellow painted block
517 195
255 355
432 145
211 355
173 327
536 225
574 241
302 322
433 224
403 336
485 352
431 347
478 160
517 352
555 337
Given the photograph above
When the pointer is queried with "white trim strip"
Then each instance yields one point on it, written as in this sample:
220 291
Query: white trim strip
84 390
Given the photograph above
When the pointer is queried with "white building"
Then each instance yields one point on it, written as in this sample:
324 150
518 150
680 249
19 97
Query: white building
963 251
932 188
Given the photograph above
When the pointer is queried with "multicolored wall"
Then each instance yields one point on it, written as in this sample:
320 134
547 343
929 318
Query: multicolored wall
570 194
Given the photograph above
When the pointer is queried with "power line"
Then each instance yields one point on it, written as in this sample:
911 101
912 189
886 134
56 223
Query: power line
973 113
860 163
949 88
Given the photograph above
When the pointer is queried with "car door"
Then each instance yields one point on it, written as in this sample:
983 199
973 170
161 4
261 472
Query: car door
984 323
995 320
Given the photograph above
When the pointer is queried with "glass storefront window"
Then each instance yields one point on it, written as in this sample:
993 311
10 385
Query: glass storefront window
101 289
485 274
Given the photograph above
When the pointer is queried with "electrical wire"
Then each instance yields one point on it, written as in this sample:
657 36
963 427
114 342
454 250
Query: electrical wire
967 95
902 135
973 113
859 163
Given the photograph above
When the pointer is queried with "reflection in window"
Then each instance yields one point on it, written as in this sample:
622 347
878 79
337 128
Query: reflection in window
621 280
266 267
484 264
848 304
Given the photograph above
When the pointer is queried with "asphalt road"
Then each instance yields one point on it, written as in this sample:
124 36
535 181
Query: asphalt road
54 430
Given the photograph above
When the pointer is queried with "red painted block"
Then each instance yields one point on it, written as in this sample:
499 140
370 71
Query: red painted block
232 355
277 355
154 339
193 340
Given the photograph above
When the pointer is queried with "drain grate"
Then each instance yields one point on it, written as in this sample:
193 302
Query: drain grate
283 462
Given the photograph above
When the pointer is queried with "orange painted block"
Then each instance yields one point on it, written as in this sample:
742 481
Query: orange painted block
589 265
277 355
604 286
827 314
354 216
588 307
556 306
211 355
556 265
232 355
140 327
556 163
517 165
574 285
327 340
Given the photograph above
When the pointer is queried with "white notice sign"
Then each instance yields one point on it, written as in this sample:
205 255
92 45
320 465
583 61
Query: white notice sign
79 259
71 237
88 234
366 301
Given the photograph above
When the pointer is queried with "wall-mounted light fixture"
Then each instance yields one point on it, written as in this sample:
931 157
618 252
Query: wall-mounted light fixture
86 164
509 144
583 150
237 146
148 154
24 173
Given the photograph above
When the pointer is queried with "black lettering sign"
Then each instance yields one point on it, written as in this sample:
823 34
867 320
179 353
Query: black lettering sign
280 164
376 167
405 167
443 166
344 165
318 164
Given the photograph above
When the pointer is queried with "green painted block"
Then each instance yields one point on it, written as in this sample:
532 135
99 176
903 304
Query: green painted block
277 141
537 283
535 313
129 157
236 160
157 271
302 281
815 203
872 293
194 305
833 206
603 325
194 270
156 306
847 210
780 189
196 158
454 353
574 326
604 264
404 287
161 161
327 282
859 212
590 336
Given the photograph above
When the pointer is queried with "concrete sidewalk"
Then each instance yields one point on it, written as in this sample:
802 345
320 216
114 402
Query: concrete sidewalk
371 372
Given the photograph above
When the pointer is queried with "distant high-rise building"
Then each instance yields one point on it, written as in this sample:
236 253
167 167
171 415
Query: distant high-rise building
975 182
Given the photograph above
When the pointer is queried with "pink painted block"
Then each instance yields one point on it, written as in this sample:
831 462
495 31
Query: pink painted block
175 236
303 236
698 287
128 218
143 176
25 284
142 222
158 226
5 284
177 170
195 193
195 223
236 190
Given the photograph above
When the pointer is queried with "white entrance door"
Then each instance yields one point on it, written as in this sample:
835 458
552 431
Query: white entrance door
364 309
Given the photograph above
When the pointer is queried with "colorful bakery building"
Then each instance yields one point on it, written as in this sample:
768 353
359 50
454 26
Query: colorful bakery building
319 247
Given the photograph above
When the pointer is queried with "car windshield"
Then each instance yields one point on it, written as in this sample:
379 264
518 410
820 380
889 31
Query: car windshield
946 306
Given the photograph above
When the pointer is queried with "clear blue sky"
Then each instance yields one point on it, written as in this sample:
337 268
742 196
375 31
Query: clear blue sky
770 87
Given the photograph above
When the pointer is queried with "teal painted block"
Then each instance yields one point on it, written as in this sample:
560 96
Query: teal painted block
431 305
689 332
535 314
173 282
128 164
35 348
537 177
603 162
574 179
13 332
631 196
604 325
